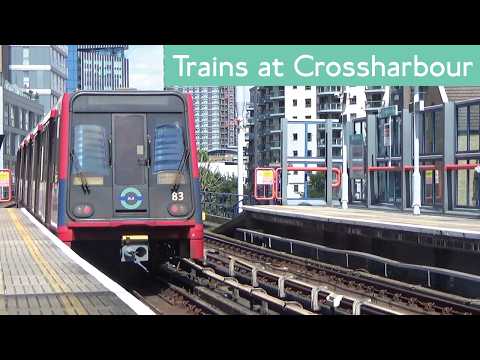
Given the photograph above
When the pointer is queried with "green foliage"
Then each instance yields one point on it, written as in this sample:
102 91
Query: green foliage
213 181
316 185
203 156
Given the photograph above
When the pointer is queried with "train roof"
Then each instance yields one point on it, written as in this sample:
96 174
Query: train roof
52 114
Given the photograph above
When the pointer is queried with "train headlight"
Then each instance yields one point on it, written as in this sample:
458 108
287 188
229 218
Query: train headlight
177 209
83 211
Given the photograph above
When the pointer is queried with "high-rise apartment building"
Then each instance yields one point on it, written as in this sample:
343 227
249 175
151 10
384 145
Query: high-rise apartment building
214 116
72 66
20 114
306 108
41 69
97 67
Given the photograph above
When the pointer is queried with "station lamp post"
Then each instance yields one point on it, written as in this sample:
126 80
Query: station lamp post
240 103
417 108
344 167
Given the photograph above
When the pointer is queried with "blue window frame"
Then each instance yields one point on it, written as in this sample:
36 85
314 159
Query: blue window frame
90 149
168 147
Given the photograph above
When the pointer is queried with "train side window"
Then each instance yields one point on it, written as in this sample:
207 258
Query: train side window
168 147
42 157
90 150
53 151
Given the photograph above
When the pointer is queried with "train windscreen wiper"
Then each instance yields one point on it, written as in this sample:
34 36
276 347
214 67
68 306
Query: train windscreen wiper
83 179
180 168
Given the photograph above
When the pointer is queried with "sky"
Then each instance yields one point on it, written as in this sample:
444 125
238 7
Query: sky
146 66
146 72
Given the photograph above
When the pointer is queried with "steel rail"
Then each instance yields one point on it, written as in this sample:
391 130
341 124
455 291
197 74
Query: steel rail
445 299
256 293
316 292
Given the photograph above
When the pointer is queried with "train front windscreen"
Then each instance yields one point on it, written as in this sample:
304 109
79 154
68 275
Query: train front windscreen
129 157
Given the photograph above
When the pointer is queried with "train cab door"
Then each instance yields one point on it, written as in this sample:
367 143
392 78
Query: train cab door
130 166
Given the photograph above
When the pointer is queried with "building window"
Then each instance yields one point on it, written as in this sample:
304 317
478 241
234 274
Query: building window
353 116
308 103
308 117
468 128
295 153
294 102
353 100
26 120
467 182
309 137
294 87
295 117
26 80
8 143
309 153
295 173
295 188
26 56
295 137
308 87
462 129
12 116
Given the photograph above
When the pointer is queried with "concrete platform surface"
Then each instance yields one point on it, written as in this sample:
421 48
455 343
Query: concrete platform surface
41 275
424 224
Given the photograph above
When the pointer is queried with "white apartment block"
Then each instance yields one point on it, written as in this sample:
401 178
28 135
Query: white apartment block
306 108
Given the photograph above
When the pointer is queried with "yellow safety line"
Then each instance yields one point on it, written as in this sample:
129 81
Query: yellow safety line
69 301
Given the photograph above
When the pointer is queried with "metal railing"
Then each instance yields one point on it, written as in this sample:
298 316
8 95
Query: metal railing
374 104
329 106
223 205
273 96
422 275
328 89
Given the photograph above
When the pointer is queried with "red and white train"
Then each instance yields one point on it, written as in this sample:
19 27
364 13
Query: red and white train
118 167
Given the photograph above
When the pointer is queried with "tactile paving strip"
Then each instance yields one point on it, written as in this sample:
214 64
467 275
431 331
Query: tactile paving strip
37 278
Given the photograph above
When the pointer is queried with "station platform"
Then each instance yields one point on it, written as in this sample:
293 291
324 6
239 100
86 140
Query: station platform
433 225
40 275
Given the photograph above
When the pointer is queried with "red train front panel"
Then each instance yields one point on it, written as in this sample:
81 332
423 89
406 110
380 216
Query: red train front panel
128 173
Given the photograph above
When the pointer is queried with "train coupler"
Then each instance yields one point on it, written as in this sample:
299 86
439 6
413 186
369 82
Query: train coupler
135 249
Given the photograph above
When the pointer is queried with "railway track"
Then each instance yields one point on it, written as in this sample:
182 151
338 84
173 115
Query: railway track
168 299
187 288
325 288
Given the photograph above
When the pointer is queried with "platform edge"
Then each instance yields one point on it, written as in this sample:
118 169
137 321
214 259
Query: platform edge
136 305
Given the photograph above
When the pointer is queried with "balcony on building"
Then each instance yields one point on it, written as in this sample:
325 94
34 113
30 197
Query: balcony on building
277 95
275 126
374 104
329 90
374 89
280 111
275 145
329 107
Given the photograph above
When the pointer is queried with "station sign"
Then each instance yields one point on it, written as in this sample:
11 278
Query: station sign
4 178
388 111
5 185
265 176
357 156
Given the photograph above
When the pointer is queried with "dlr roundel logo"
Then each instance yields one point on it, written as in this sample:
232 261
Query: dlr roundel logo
131 198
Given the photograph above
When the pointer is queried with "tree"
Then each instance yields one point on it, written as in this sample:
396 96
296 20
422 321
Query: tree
213 181
203 156
316 185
